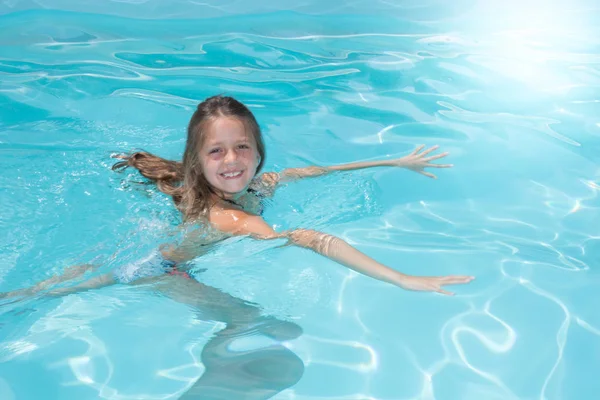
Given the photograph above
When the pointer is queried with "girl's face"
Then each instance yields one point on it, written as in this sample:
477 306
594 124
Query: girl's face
229 156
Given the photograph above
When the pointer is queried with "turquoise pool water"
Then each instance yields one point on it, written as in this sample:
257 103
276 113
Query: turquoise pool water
509 89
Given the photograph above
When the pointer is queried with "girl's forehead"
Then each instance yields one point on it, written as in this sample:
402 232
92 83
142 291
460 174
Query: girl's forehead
226 128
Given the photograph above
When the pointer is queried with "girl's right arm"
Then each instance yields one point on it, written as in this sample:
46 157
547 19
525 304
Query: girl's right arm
239 223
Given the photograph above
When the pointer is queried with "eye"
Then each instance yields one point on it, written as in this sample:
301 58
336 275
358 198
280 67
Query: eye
243 146
214 151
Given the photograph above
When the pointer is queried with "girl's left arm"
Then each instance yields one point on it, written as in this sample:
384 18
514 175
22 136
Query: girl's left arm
416 161
239 223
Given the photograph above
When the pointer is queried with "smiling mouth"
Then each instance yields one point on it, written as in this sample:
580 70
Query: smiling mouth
232 175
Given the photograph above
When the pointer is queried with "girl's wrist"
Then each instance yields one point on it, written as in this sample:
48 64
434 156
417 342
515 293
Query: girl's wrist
399 279
399 162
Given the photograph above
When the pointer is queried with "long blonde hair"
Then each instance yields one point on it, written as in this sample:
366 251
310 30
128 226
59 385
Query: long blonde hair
185 181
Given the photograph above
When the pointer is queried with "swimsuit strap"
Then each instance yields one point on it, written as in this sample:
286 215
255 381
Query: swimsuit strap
232 202
250 190
175 271
171 268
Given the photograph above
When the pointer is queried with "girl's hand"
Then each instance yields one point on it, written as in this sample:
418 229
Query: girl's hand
417 162
433 283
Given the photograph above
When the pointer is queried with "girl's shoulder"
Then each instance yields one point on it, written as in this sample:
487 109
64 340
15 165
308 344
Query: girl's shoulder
238 222
227 220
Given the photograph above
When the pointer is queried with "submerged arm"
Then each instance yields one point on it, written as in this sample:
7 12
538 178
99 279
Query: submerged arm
334 248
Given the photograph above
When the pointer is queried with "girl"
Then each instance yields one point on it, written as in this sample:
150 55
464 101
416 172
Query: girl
218 186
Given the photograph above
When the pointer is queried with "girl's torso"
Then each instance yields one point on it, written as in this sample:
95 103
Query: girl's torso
200 237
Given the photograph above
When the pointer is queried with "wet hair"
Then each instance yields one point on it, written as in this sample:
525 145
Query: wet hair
184 180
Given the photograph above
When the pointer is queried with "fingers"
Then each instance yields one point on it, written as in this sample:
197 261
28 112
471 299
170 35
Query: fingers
429 150
428 174
452 280
436 156
439 165
456 279
418 149
442 291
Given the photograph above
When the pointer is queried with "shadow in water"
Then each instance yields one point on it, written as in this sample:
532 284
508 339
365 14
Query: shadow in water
246 374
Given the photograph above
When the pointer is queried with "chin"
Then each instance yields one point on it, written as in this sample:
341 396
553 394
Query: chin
232 189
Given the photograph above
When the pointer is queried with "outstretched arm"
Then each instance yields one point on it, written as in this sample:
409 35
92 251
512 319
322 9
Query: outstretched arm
414 161
336 249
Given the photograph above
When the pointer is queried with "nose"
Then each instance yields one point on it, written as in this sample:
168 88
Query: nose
230 157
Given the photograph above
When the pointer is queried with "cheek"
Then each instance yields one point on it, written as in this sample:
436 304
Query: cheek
208 168
255 157
251 158
253 163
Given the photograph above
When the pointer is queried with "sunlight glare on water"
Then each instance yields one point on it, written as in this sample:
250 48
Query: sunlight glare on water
510 89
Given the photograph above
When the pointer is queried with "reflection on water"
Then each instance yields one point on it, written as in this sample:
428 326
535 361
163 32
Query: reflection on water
235 362
510 90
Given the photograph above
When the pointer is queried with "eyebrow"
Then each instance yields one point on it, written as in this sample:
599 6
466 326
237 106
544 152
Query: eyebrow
216 143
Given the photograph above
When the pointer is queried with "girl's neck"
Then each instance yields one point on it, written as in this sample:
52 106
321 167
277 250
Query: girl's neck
228 199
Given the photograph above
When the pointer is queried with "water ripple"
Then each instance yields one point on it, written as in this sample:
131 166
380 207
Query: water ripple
513 99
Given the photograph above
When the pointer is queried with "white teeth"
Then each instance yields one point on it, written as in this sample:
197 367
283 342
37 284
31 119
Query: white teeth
232 174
